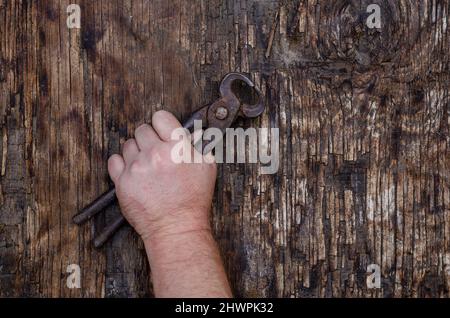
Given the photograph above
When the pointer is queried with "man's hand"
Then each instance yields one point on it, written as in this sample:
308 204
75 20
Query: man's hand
156 195
168 205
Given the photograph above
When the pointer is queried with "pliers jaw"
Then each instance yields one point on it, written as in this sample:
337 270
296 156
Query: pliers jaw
222 113
245 110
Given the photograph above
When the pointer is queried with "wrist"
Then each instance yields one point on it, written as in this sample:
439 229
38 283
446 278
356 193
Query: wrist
175 225
177 247
191 256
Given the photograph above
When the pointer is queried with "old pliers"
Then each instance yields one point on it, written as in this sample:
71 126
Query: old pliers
221 114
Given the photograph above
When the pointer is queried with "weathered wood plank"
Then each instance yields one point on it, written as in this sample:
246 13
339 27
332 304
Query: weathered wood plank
364 140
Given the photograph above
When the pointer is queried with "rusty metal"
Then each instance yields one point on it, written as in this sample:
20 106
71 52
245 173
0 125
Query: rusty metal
221 114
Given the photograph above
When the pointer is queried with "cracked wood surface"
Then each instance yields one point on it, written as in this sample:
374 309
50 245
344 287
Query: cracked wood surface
364 131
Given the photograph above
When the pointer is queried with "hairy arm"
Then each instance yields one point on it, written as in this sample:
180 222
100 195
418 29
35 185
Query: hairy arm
168 204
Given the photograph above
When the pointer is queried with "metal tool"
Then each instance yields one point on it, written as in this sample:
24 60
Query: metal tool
221 114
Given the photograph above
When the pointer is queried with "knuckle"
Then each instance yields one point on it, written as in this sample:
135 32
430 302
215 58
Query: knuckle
158 158
113 159
141 129
160 114
155 153
138 167
128 143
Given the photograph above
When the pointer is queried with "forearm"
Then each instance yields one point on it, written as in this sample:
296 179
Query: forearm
187 264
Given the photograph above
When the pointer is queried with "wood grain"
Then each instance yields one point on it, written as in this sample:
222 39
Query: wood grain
364 130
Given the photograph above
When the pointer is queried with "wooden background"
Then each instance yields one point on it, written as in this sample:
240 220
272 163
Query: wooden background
364 130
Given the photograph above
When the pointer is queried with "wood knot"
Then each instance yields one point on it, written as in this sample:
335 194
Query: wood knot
351 35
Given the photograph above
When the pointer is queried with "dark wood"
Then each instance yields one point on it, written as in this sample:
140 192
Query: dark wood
364 130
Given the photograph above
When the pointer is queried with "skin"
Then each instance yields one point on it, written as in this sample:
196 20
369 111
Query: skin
168 204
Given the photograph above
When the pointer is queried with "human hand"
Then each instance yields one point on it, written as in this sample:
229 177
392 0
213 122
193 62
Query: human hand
158 196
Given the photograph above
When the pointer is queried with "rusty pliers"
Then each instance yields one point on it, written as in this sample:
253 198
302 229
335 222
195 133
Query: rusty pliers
221 114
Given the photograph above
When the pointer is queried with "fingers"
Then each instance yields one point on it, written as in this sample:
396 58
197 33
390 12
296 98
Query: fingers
164 124
116 165
146 137
130 151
